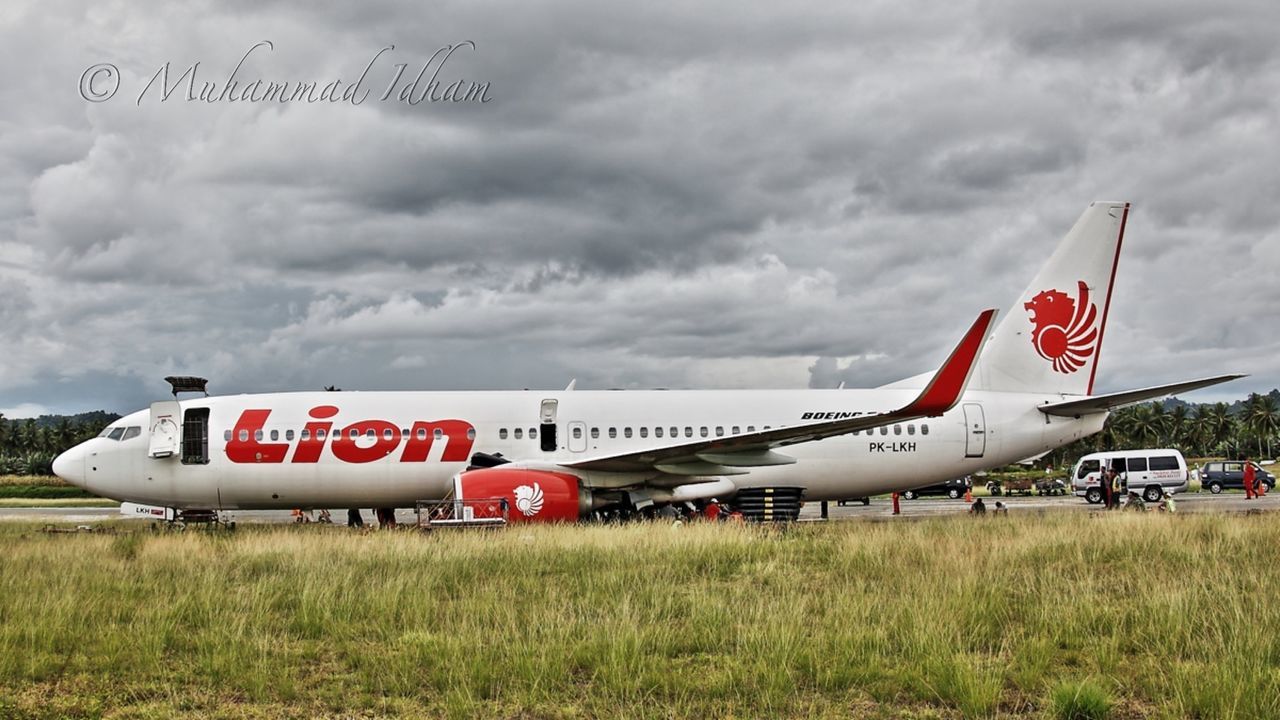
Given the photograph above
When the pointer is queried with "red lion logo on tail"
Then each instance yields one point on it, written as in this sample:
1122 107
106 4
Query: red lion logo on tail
1064 333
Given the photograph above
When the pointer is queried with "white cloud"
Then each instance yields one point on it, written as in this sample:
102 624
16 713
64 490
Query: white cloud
674 195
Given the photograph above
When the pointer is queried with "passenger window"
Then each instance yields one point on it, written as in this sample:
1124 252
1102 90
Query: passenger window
675 431
288 434
644 432
751 428
924 429
595 433
626 432
911 429
502 434
244 436
371 434
226 436
321 434
613 432
257 435
702 431
131 432
422 433
518 433
533 433
471 433
736 431
719 431
657 432
884 429
305 434
438 434
577 433
897 429
688 431
275 435
388 433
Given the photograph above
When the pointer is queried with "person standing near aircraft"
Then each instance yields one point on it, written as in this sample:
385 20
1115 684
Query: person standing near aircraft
1105 483
1250 480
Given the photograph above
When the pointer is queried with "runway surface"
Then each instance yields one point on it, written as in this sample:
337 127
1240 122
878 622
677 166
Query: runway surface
879 509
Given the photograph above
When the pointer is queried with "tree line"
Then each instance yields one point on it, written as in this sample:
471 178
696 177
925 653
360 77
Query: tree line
1248 428
28 446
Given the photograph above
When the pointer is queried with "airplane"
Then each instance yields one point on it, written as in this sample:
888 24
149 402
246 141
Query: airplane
1005 393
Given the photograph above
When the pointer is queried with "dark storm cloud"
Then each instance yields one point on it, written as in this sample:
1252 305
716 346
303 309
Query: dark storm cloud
658 194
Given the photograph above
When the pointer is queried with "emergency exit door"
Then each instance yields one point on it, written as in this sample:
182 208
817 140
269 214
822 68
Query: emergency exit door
975 437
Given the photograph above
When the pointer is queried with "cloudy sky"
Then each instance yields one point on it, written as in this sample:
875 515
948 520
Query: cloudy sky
713 194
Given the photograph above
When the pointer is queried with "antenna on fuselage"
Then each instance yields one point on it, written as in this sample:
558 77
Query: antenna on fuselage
187 383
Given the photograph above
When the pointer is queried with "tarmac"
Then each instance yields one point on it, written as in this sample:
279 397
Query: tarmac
880 509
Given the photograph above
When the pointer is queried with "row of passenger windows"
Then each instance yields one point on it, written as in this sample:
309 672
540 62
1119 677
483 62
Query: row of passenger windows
321 434
126 433
675 431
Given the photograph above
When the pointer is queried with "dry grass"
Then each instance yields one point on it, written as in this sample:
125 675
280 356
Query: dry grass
954 617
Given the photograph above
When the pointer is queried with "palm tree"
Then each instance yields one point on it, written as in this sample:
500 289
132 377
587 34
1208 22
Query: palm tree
1179 427
1261 417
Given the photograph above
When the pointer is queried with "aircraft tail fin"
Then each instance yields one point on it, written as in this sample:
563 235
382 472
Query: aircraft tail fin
1049 341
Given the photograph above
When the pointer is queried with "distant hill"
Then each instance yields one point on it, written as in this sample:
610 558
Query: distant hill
1233 408
95 417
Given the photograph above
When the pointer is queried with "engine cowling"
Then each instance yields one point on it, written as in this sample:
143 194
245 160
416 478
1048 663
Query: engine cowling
531 495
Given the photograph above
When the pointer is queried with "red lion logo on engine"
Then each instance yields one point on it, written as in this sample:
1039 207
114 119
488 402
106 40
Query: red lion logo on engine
1064 331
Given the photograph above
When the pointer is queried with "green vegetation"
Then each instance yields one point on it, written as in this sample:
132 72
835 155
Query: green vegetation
1035 616
1080 701
28 447
1247 428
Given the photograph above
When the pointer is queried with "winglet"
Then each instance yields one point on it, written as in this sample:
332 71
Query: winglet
948 384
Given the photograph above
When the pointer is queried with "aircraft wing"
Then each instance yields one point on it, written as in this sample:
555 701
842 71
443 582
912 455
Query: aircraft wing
1110 401
727 455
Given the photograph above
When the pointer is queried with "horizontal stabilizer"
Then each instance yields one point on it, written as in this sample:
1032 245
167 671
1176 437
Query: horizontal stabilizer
1111 401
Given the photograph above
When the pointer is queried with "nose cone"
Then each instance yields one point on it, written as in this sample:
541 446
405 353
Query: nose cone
70 465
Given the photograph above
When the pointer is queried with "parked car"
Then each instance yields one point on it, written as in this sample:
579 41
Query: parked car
954 488
1227 474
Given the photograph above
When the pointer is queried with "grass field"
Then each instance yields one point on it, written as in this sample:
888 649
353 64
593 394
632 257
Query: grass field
32 480
1053 616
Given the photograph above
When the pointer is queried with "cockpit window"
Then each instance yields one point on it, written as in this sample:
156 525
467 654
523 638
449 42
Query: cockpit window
116 433
131 432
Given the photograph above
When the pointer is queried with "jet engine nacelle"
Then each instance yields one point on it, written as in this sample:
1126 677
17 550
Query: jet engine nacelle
531 495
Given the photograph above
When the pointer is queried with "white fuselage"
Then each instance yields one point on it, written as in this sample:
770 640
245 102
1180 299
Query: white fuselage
398 458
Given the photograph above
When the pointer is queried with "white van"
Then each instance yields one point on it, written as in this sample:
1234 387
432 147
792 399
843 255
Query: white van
1150 472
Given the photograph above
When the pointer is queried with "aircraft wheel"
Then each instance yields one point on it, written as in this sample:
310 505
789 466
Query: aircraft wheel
910 495
953 493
